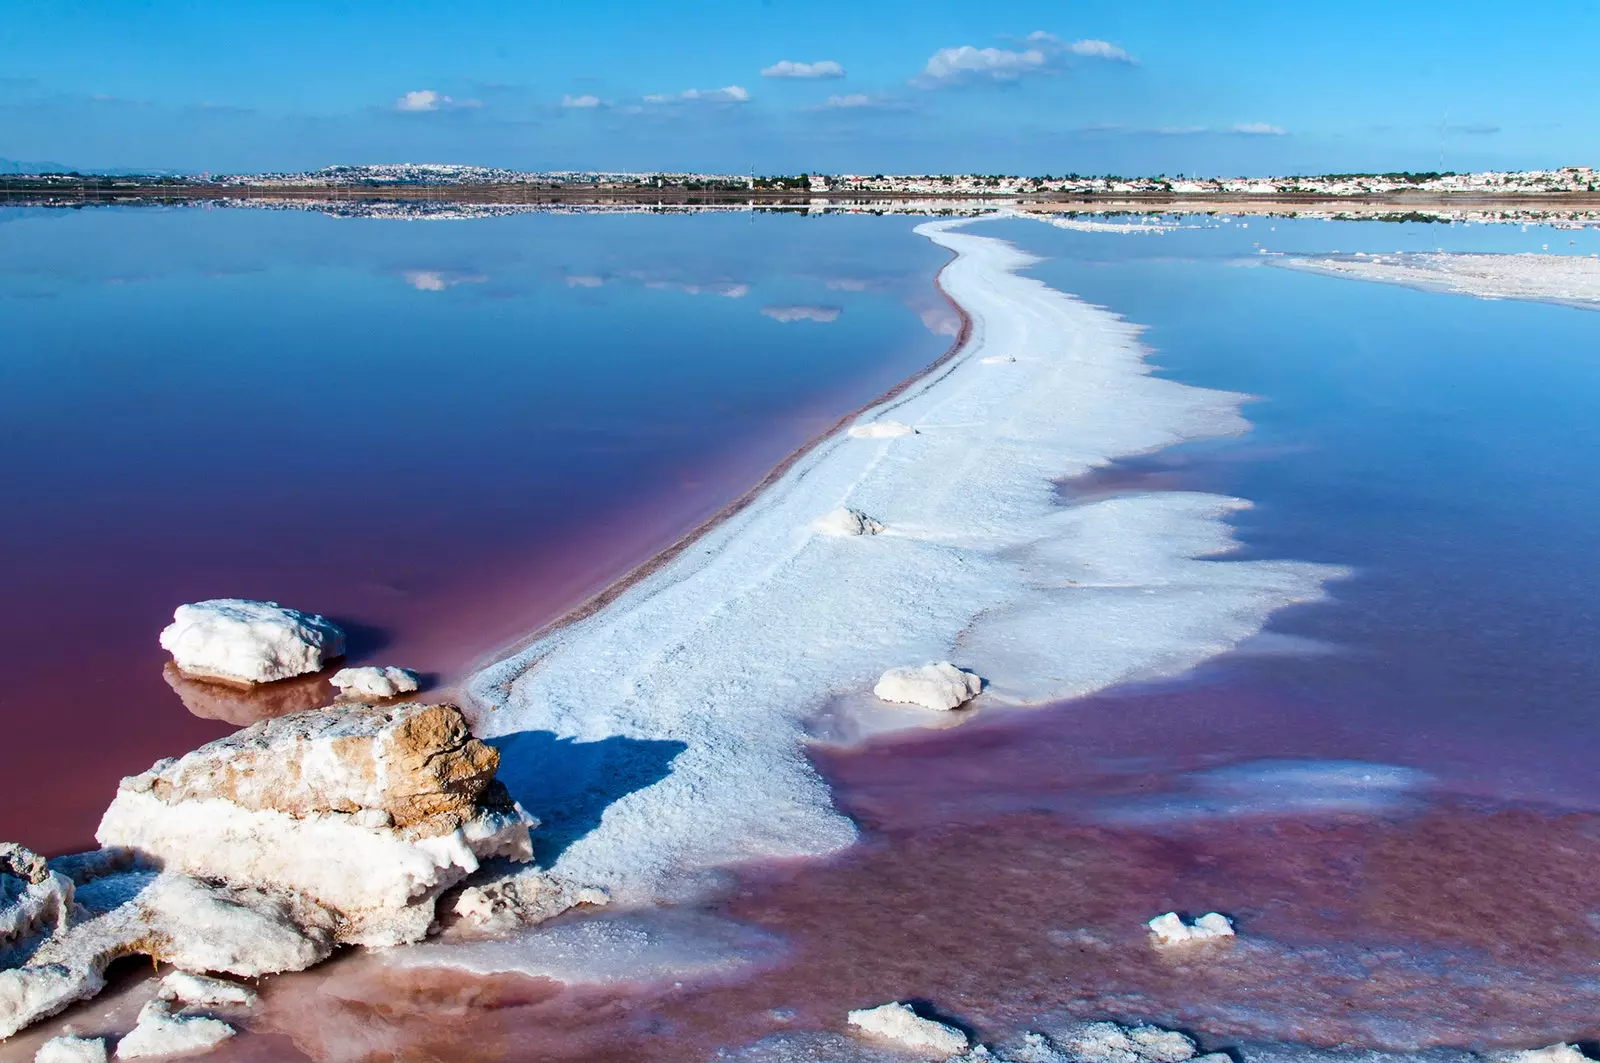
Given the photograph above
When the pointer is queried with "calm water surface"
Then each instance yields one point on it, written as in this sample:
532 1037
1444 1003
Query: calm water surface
441 433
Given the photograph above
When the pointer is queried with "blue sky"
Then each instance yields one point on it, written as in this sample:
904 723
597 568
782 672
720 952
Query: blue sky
1025 86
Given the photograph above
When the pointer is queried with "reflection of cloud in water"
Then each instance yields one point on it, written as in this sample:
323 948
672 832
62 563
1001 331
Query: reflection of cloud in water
847 284
1278 788
941 321
585 280
726 289
786 314
427 280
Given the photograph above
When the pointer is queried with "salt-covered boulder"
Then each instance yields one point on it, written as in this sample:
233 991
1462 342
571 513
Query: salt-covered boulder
845 522
184 988
896 1022
72 1050
1169 930
373 683
159 1032
369 812
1106 1042
940 686
241 641
881 430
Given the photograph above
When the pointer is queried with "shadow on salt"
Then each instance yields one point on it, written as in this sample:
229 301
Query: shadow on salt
1277 788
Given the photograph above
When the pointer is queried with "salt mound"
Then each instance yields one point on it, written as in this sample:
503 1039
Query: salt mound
72 1050
161 1033
522 899
370 682
897 1022
1167 930
186 988
845 522
242 641
370 812
881 430
940 686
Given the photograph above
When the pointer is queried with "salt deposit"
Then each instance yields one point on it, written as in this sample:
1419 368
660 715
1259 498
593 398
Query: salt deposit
72 1050
374 682
1556 1053
724 653
939 686
1547 278
898 1023
161 1033
186 988
845 522
370 812
1169 930
881 430
242 641
997 359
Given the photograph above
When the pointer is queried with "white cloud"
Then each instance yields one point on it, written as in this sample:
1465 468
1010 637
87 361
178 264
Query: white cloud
429 100
998 64
786 68
728 94
1258 129
854 99
585 280
580 102
787 314
1089 49
429 280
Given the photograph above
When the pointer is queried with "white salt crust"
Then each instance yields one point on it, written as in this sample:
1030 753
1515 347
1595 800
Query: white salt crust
881 430
1168 931
940 686
374 682
1543 278
898 1023
185 988
726 651
161 1033
242 641
72 1050
845 522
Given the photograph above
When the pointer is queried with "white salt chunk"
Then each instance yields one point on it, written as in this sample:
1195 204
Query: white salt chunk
374 682
881 430
897 1022
845 521
72 1050
249 642
186 988
1168 929
1556 1053
940 686
161 1033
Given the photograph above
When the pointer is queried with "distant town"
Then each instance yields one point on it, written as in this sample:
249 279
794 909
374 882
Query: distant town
401 176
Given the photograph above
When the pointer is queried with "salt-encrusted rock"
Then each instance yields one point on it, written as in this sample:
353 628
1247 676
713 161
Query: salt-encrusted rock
940 686
1105 1042
161 1033
522 899
72 1050
184 988
28 994
369 812
845 521
898 1023
1556 1053
34 901
1168 930
374 683
881 430
241 641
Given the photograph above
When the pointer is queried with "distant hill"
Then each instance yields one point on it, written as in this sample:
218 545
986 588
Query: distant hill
12 166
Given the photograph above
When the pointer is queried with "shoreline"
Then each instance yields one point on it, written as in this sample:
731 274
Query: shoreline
615 588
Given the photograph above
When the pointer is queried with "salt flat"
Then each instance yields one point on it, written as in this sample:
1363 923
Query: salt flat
1546 278
700 680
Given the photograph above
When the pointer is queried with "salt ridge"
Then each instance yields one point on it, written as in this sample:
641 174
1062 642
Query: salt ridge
724 653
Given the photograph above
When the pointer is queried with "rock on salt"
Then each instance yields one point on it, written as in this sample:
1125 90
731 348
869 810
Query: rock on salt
898 1023
186 988
372 682
248 642
370 812
845 521
940 686
522 898
72 1050
34 900
1167 930
161 1033
881 430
